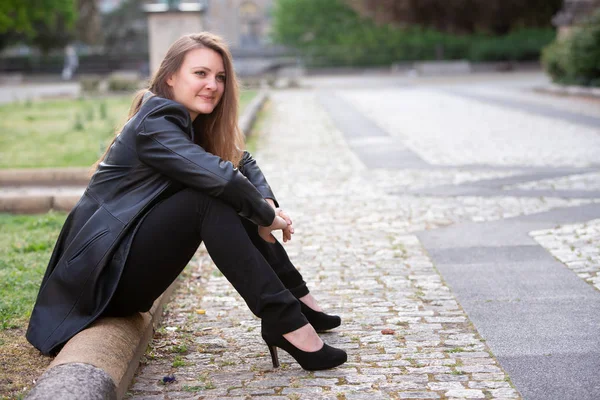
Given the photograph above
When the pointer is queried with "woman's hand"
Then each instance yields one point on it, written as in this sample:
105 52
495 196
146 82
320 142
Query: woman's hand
265 231
288 229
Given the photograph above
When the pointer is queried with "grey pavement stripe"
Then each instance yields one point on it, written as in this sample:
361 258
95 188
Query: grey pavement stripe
493 187
545 173
506 232
537 316
466 190
537 109
349 119
374 146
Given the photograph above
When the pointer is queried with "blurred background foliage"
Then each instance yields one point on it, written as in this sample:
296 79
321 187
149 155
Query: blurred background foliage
362 32
575 59
323 33
115 40
48 24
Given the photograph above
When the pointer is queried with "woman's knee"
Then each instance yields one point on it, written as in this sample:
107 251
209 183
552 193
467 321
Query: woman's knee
204 207
204 200
191 197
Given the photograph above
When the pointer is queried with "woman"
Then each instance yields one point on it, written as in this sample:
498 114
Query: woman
167 182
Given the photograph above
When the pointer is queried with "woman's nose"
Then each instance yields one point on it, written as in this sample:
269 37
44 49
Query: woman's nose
211 84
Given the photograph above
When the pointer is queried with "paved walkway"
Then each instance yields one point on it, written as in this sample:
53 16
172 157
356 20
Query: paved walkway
390 216
32 91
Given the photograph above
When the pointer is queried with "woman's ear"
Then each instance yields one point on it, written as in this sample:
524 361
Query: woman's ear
171 80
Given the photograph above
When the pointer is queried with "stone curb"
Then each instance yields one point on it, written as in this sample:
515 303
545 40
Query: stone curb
79 176
33 204
75 381
569 90
113 345
247 119
45 176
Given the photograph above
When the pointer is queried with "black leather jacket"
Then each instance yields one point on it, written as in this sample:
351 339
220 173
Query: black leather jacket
154 153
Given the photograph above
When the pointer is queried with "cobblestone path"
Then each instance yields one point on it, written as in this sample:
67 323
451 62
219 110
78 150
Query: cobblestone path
355 244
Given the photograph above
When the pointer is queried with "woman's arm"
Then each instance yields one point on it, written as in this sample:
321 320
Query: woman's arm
164 144
250 169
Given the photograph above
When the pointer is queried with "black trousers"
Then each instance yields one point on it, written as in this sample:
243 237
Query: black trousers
169 236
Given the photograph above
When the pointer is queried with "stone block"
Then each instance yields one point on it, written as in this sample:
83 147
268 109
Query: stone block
73 381
442 68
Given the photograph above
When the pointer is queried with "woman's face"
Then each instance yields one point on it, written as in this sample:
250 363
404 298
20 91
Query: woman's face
200 82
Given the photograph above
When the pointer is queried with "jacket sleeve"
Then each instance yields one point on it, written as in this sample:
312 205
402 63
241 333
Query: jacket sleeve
250 169
164 144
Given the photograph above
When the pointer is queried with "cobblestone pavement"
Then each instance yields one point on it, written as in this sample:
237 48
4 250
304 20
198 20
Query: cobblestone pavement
577 246
355 246
489 135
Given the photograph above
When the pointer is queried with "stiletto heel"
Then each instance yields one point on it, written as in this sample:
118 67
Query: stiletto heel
319 320
325 358
274 358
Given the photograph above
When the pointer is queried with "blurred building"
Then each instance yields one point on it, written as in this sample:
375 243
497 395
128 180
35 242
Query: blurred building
106 6
573 12
243 23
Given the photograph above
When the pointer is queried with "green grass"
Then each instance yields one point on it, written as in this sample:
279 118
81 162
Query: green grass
26 243
58 133
179 362
64 132
245 98
257 129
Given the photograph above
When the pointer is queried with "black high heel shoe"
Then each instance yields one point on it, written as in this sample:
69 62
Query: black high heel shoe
325 358
319 320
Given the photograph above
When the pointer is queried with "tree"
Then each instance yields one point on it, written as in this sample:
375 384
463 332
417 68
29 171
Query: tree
461 16
126 29
308 23
48 24
382 32
88 26
20 16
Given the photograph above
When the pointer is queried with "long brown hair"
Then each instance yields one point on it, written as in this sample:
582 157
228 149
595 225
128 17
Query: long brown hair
217 132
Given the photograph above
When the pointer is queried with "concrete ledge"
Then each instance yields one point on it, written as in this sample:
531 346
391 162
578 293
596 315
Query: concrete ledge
442 68
247 119
113 345
34 204
563 90
73 382
45 176
25 204
15 78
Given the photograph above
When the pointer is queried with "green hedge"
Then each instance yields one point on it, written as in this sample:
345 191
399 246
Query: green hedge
575 60
520 45
329 33
385 45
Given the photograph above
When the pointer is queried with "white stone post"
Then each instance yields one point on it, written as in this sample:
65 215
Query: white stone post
167 24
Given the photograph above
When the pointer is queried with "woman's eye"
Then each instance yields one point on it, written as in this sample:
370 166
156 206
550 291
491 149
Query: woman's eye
221 78
200 73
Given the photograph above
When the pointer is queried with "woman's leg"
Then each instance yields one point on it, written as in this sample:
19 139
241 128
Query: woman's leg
278 259
167 239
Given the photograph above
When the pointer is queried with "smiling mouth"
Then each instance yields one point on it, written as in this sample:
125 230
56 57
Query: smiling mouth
207 98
